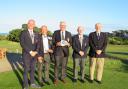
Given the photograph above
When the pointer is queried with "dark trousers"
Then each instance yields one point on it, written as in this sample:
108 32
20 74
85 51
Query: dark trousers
60 62
29 67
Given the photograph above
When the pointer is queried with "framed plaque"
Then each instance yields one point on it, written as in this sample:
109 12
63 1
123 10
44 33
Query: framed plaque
63 42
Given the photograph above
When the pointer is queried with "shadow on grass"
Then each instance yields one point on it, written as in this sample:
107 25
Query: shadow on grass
122 53
69 73
124 66
16 63
15 59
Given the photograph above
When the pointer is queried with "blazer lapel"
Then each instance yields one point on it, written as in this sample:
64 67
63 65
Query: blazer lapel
42 42
59 35
95 36
101 36
84 42
66 35
28 34
79 41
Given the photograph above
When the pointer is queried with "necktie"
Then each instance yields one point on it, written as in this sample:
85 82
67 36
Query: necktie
98 36
62 35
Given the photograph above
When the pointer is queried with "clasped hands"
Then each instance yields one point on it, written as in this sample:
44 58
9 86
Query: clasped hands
81 53
98 52
40 59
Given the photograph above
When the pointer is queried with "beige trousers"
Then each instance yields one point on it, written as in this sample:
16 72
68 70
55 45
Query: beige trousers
99 64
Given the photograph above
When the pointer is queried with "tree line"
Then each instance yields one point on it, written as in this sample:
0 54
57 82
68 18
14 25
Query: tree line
117 37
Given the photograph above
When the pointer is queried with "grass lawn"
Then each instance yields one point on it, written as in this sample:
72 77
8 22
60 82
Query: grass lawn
115 77
115 72
11 46
120 51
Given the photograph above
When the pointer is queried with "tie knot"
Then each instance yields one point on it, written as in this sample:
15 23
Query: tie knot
45 36
80 36
98 34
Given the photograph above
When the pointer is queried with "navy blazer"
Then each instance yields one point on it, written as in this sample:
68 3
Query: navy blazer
97 44
58 50
77 46
26 42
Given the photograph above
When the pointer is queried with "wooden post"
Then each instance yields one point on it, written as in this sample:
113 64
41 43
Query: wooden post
3 53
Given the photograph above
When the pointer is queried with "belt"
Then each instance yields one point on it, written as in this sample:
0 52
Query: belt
46 53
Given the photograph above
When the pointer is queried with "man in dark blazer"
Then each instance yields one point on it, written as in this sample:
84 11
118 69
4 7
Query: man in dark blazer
29 44
45 51
97 43
80 46
61 41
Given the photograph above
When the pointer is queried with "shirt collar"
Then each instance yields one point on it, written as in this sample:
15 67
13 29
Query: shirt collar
80 36
44 35
30 30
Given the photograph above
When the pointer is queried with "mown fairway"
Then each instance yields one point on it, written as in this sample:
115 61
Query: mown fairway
115 71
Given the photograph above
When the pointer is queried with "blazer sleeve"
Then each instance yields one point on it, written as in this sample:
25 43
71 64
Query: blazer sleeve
70 41
39 50
105 42
22 42
53 39
74 45
87 45
91 44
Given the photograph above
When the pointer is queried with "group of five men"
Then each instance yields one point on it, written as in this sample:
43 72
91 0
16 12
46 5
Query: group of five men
40 47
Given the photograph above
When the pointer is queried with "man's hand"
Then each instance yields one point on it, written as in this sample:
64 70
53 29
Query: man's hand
98 52
40 59
33 53
50 51
81 53
58 44
68 44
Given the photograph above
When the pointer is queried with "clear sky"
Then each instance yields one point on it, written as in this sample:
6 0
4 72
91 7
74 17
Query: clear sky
113 14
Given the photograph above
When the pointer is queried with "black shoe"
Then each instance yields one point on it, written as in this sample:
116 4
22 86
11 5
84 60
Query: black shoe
75 80
47 82
41 83
25 88
63 80
35 86
91 81
55 82
82 80
99 82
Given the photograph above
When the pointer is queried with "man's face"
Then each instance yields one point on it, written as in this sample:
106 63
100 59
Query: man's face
98 27
31 24
80 30
62 26
44 30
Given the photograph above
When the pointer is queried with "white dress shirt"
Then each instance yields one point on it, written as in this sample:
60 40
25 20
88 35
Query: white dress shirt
30 31
45 43
81 39
98 33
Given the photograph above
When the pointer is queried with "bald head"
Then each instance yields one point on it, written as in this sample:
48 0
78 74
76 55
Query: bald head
80 30
98 27
31 24
62 25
